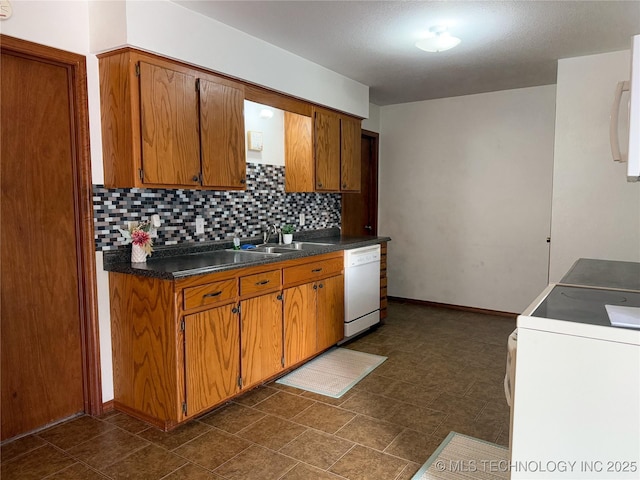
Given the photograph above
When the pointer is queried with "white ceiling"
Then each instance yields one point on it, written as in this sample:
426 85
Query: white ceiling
507 44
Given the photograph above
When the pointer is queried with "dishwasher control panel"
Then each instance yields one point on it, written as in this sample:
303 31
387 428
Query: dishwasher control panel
361 256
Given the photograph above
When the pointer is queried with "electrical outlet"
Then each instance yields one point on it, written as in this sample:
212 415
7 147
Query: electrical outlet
199 226
302 219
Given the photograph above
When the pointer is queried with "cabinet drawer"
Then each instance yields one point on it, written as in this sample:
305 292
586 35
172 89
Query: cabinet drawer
313 270
260 282
210 293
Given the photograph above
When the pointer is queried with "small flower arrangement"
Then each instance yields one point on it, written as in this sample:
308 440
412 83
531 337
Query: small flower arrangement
288 229
138 234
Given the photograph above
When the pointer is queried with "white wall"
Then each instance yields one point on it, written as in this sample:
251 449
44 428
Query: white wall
596 213
465 195
169 29
373 122
272 130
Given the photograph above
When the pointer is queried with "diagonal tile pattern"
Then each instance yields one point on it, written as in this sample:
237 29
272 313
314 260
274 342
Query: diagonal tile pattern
444 373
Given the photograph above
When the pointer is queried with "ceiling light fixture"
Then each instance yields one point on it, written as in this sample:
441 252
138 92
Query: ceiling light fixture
266 113
439 40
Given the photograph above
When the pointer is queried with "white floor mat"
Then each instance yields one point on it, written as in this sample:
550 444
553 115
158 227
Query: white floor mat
333 373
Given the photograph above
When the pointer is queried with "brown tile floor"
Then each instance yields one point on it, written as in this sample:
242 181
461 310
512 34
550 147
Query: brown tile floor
444 372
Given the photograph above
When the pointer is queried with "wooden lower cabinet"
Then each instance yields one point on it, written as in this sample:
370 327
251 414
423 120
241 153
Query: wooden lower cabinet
330 312
211 360
313 318
299 323
182 347
261 338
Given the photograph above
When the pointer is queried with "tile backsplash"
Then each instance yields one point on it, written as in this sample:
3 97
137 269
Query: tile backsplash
225 212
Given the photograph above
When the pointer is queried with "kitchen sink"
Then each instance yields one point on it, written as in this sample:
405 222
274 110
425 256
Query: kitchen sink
283 248
204 261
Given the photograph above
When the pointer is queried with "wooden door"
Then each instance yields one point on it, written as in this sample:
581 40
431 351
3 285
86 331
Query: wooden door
350 154
222 135
212 357
330 311
169 126
327 150
261 338
42 360
360 210
299 323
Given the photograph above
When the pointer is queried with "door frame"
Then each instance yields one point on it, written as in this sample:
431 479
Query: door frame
76 66
374 138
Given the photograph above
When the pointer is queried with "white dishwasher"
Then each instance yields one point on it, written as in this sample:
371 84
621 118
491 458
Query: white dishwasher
361 289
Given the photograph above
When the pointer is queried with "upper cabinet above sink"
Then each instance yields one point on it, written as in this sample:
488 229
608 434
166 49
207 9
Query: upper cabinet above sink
167 125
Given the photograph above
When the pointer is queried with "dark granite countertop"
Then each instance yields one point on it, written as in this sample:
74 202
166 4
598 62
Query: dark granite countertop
180 261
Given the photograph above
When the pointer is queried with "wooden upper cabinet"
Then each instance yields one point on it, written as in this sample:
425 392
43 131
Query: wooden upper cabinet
322 153
350 161
327 150
169 126
298 153
222 135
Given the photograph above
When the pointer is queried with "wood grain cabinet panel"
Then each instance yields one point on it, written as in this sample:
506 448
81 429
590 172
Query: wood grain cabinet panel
327 151
169 125
210 294
383 281
212 363
312 270
260 282
222 135
261 338
350 161
298 153
299 323
330 312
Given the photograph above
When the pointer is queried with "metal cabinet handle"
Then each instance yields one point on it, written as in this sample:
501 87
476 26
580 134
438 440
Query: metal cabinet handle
316 270
319 185
315 287
243 181
196 178
263 282
321 285
344 185
214 294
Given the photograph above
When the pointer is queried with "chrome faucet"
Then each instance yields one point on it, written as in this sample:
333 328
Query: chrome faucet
266 234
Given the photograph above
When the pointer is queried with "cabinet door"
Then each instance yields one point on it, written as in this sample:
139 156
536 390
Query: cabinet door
222 135
212 357
299 323
327 150
169 126
330 311
298 153
350 156
261 338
